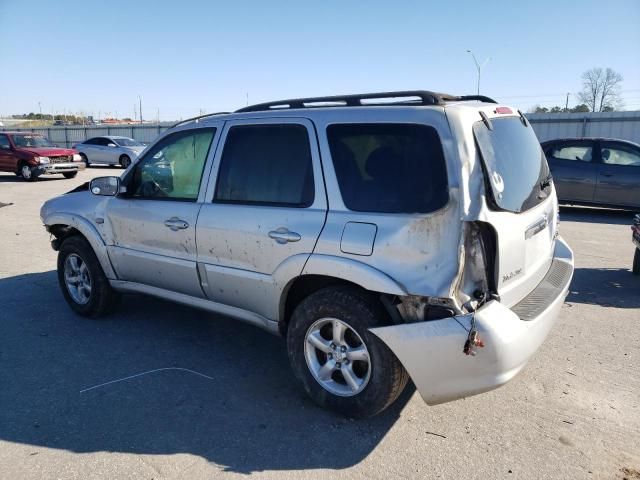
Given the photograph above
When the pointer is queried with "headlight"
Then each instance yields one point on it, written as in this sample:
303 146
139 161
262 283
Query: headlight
42 160
77 157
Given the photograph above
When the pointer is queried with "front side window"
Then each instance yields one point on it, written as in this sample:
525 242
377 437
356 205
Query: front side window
173 168
4 142
618 154
266 165
581 153
389 168
515 165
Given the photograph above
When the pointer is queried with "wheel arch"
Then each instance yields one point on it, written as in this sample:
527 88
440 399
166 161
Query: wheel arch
334 271
63 225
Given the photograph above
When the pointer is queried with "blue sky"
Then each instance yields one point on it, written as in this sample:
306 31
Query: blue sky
187 56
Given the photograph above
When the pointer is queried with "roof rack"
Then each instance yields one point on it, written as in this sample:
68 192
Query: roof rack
420 97
198 118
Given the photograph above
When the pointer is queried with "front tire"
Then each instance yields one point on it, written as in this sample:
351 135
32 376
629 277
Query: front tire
341 364
636 262
27 173
82 280
70 174
125 161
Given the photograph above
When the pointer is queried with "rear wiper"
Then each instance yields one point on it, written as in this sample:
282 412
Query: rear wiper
546 182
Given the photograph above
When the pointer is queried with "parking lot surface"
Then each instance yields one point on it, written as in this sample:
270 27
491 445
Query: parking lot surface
159 390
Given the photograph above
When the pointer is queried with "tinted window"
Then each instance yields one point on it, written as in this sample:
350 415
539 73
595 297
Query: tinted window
91 141
516 167
619 154
393 168
582 153
173 168
4 142
266 164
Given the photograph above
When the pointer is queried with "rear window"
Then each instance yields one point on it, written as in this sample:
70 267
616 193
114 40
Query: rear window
516 167
389 168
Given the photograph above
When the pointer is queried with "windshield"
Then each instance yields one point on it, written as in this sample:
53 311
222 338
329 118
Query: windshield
517 169
127 142
31 141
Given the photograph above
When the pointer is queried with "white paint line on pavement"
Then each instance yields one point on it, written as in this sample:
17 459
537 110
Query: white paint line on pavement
145 373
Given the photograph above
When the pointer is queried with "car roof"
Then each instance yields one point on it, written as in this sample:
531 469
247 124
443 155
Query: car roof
588 139
369 102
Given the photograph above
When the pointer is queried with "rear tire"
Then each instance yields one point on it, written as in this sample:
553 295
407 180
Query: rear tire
636 262
82 280
125 161
378 381
70 174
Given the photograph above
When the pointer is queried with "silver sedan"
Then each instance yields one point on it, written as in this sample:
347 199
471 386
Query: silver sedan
110 150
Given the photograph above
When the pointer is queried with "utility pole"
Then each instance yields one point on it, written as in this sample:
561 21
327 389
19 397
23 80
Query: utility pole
135 113
566 105
479 67
158 116
140 100
40 108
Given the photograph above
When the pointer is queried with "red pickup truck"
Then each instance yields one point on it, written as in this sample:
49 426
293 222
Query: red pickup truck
30 155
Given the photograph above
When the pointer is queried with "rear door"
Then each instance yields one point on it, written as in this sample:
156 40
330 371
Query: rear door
618 174
154 223
574 170
265 209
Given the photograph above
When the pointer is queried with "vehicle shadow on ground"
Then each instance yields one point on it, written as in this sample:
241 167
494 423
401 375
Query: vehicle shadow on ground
238 405
13 178
596 215
608 287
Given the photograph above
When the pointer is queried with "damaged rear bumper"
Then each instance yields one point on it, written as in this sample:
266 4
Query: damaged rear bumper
431 351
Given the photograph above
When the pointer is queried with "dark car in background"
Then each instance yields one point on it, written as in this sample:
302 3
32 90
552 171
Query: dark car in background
595 171
635 237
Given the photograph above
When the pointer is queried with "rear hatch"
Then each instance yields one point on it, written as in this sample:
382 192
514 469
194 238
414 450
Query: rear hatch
522 202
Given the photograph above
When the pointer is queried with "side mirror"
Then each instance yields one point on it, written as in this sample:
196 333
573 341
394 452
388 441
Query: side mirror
111 145
105 186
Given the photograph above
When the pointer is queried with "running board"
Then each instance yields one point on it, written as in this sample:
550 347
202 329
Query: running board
201 303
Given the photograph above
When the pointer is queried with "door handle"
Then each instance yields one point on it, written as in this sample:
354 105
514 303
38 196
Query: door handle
282 235
175 224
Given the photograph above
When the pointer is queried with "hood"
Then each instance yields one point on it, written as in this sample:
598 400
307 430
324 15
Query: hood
137 150
48 151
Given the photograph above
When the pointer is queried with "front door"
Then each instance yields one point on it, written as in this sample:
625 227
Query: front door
619 174
574 170
154 222
265 208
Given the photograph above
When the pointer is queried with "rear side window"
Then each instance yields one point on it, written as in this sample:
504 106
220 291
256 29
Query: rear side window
389 168
581 153
266 165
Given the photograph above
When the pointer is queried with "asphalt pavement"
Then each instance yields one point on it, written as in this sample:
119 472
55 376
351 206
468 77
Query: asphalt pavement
162 391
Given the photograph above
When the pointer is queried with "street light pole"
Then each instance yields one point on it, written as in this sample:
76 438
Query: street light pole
479 67
140 109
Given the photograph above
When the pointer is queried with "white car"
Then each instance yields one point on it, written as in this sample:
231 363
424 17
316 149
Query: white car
110 150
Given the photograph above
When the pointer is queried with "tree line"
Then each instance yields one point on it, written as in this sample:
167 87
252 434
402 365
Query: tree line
600 93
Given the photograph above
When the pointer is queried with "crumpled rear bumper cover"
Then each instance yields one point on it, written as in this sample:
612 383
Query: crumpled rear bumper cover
431 351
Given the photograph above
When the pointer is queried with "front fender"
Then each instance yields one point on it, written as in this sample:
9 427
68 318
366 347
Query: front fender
353 271
89 232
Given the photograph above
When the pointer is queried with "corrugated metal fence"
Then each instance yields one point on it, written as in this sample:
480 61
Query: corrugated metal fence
70 135
623 125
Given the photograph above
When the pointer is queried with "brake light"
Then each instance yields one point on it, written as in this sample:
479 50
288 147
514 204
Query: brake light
503 110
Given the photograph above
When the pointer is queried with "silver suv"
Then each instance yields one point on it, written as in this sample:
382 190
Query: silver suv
386 236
